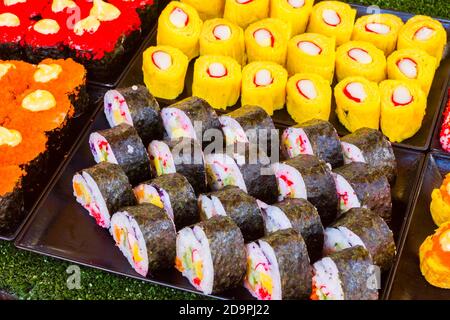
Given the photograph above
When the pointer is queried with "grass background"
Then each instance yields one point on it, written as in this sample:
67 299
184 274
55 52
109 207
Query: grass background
30 276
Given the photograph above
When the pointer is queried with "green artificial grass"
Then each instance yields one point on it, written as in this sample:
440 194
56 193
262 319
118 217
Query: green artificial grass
30 276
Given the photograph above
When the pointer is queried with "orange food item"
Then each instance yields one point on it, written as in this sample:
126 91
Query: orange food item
10 178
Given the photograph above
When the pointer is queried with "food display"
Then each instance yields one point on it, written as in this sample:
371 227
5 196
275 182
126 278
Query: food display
444 134
440 203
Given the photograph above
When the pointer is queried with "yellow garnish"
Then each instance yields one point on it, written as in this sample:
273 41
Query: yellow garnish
46 26
266 282
104 11
10 138
47 72
89 25
4 68
60 5
13 2
9 20
39 100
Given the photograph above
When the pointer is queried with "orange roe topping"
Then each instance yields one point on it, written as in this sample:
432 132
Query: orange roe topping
10 178
444 256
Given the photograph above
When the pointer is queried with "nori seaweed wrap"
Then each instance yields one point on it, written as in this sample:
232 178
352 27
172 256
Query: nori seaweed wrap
122 145
11 210
372 147
239 206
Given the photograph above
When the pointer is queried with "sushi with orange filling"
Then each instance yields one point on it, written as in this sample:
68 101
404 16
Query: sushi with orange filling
294 12
245 12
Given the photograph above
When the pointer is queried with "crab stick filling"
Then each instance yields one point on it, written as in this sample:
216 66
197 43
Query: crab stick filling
340 238
232 130
264 38
217 70
360 55
307 89
326 283
211 206
296 3
222 32
347 196
177 124
355 91
309 48
161 158
101 149
116 109
179 18
162 60
294 142
331 17
290 182
378 28
263 78
146 193
401 96
424 34
352 153
223 171
408 67
274 219
4 69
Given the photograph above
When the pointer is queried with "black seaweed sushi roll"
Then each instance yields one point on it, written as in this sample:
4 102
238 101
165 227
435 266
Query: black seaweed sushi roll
173 193
211 255
358 185
372 147
314 137
362 227
122 145
136 107
11 198
146 236
278 267
183 155
102 190
239 206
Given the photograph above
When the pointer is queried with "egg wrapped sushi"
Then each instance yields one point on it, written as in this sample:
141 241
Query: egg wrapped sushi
308 97
217 79
294 12
220 37
179 26
333 19
412 64
440 203
245 12
422 32
357 103
403 107
379 29
264 85
209 9
312 53
164 71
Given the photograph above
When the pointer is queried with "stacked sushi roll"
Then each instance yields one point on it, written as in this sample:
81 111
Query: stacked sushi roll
294 12
209 10
244 12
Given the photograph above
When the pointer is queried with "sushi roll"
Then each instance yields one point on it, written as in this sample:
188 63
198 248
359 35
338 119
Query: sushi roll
179 26
360 186
444 134
245 12
412 64
403 107
315 137
12 33
102 190
312 53
264 85
307 177
174 194
440 203
182 155
308 97
207 10
358 103
370 146
362 227
189 118
221 37
211 255
278 267
164 71
122 145
266 40
379 29
300 215
136 107
11 198
217 79
345 275
146 237
422 32
332 19
360 59
294 12
236 204
434 262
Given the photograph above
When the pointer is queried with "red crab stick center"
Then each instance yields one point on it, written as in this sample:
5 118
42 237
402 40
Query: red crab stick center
162 60
244 1
264 38
310 48
296 3
217 70
360 55
307 89
378 28
355 91
331 17
263 78
408 67
401 96
179 18
424 34
222 32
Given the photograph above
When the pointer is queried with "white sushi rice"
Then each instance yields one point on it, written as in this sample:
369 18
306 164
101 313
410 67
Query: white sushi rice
275 219
340 238
352 153
101 150
116 109
347 196
211 206
222 171
161 157
232 130
290 182
326 281
295 142
177 124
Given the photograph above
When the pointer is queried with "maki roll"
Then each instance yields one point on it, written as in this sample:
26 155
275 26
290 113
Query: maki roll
136 107
332 19
211 255
182 155
245 12
360 59
146 237
236 204
174 194
412 64
294 12
312 53
308 97
307 177
440 202
266 40
207 10
221 37
314 137
370 146
358 103
217 79
362 227
345 275
300 215
11 198
379 29
278 267
403 107
422 32
360 186
122 145
179 26
102 190
264 85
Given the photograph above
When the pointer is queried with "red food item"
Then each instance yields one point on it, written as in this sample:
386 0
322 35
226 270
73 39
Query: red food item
444 136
